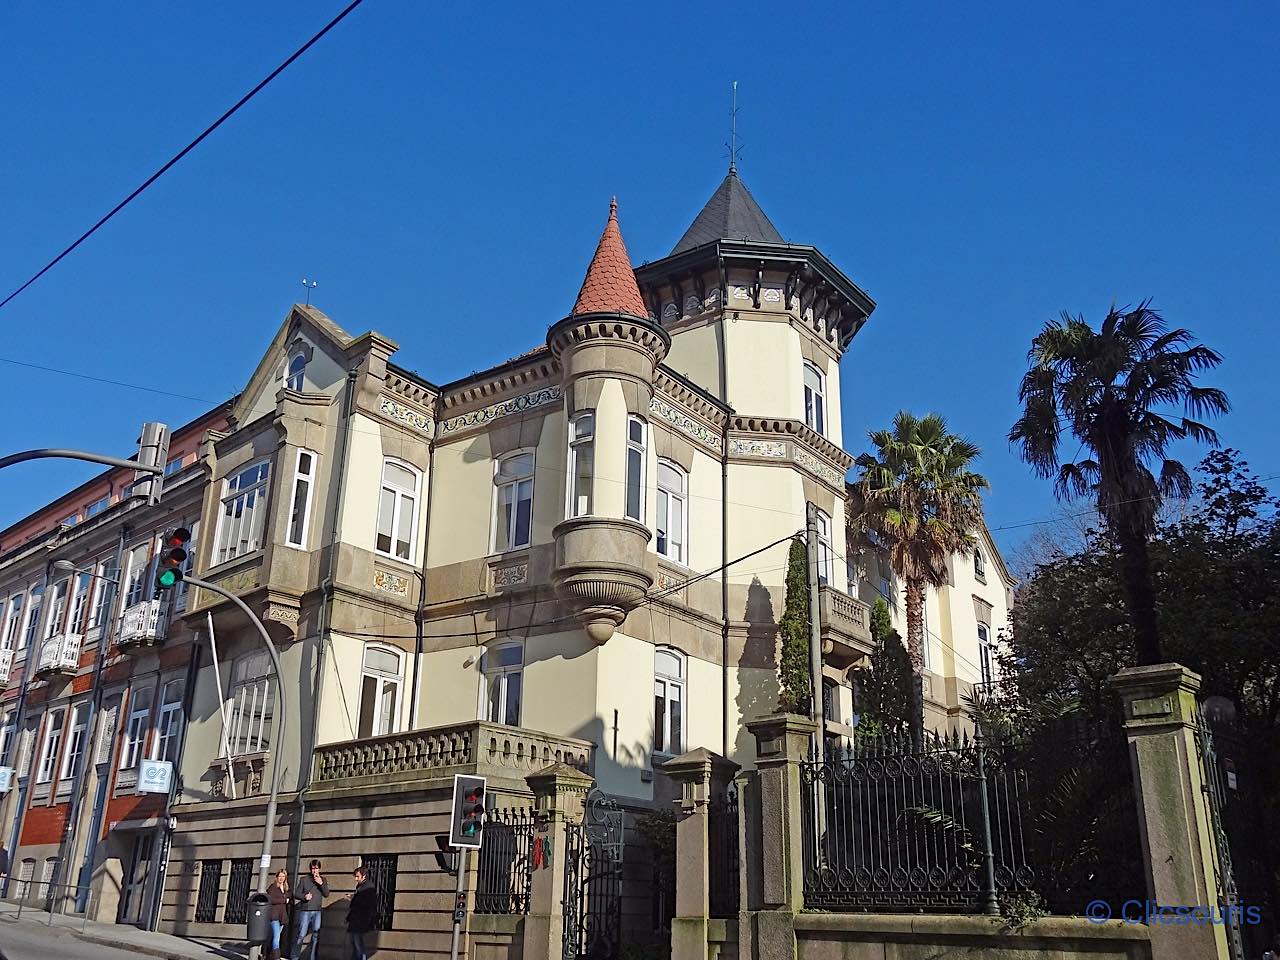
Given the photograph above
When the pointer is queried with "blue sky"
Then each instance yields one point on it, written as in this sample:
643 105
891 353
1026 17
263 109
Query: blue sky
445 170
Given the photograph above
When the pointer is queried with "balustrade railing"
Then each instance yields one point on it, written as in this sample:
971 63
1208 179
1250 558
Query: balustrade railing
493 745
6 666
140 624
59 652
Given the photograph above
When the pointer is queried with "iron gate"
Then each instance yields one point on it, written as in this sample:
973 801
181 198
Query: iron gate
593 882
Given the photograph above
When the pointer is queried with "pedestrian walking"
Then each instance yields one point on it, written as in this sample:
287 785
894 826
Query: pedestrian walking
309 897
4 861
278 895
362 913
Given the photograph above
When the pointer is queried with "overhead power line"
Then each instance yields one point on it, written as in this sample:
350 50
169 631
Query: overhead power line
185 150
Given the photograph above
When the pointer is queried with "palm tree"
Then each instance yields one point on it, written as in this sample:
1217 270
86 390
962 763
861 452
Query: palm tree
918 495
1106 388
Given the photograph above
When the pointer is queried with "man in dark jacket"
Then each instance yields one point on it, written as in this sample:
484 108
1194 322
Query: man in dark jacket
362 914
309 897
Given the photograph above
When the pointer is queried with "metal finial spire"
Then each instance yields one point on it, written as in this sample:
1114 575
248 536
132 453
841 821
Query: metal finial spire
733 130
310 285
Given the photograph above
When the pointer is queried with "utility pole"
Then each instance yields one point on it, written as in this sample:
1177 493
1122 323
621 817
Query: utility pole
815 632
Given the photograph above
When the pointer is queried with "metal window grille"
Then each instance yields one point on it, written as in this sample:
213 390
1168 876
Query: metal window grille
722 826
238 884
207 893
505 870
382 871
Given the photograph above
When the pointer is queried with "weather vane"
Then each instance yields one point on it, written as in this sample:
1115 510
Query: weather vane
310 285
734 149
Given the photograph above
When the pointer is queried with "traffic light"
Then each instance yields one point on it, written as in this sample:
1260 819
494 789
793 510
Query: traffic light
173 554
466 824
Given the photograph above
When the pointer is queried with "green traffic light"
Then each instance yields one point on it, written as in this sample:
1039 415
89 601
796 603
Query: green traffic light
168 578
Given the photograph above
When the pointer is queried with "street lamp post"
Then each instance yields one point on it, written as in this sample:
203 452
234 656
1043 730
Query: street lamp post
264 863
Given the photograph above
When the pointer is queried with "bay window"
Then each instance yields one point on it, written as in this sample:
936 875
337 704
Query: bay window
513 500
672 512
668 701
380 691
635 468
251 704
582 463
397 510
503 670
243 514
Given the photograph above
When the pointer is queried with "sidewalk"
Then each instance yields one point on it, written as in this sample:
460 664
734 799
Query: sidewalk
124 937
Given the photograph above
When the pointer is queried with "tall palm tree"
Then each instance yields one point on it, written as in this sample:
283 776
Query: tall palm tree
1107 388
918 495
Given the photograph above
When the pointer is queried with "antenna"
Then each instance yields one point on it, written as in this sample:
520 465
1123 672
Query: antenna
733 130
310 285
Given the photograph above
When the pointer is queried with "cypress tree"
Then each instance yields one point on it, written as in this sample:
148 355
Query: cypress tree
884 685
793 664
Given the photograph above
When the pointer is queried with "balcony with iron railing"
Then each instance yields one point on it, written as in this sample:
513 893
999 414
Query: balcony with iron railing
59 654
846 627
142 626
6 667
480 747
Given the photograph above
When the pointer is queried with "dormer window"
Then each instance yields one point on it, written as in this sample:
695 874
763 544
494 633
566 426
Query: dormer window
294 370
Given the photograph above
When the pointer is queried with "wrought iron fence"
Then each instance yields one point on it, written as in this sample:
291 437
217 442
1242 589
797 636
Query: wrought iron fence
722 828
888 825
505 869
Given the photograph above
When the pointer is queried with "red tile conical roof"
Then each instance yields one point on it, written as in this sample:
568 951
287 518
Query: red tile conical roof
610 284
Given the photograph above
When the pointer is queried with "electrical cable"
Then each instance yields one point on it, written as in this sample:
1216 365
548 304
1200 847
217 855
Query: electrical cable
185 150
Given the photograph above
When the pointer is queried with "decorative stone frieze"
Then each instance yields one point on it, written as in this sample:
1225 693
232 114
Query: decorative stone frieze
510 575
403 414
770 449
686 424
819 469
476 418
389 582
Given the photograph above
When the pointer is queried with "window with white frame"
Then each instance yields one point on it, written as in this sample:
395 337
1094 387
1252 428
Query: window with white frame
380 691
582 463
59 607
80 602
513 502
51 744
135 732
295 370
979 564
169 723
75 740
503 669
14 621
636 429
826 555
986 656
34 610
243 514
252 700
7 730
668 701
672 520
397 510
815 398
107 571
96 507
137 561
304 475
174 465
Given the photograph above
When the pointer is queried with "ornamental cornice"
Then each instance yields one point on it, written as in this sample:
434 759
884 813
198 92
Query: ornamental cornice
477 418
406 389
797 429
673 388
672 415
539 370
641 332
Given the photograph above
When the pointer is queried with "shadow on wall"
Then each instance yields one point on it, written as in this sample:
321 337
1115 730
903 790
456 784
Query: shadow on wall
757 665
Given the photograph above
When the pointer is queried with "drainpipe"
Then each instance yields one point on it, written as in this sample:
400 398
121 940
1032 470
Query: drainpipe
419 618
166 840
726 721
67 845
334 509
28 670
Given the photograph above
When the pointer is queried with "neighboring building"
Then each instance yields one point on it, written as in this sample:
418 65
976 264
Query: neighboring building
576 556
95 680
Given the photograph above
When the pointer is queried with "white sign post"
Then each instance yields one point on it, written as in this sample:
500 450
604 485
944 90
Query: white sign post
154 776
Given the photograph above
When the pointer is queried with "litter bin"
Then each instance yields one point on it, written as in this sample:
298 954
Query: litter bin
259 918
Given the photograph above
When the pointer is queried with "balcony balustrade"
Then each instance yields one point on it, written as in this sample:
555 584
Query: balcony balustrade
846 627
6 667
489 749
141 625
59 654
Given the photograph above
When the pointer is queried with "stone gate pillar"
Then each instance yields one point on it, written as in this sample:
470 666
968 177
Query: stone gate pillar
559 796
703 777
1178 840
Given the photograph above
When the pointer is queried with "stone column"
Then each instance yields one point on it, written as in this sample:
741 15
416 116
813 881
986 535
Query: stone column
703 777
771 841
559 794
1173 810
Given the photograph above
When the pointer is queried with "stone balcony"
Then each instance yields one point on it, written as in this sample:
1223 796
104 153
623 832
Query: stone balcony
59 654
846 627
398 760
141 626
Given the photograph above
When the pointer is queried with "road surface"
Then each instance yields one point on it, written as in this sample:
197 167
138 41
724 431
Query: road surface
29 941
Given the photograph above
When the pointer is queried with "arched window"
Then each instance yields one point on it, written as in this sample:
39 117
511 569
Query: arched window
672 519
986 656
636 429
297 366
582 463
397 510
513 502
979 564
503 669
380 691
815 398
669 667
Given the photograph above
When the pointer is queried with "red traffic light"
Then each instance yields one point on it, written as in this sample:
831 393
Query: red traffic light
172 556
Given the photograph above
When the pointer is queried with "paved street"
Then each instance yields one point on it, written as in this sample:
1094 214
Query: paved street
20 940
31 938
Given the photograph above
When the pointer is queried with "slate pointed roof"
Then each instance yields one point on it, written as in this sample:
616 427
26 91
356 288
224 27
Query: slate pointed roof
610 285
731 214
